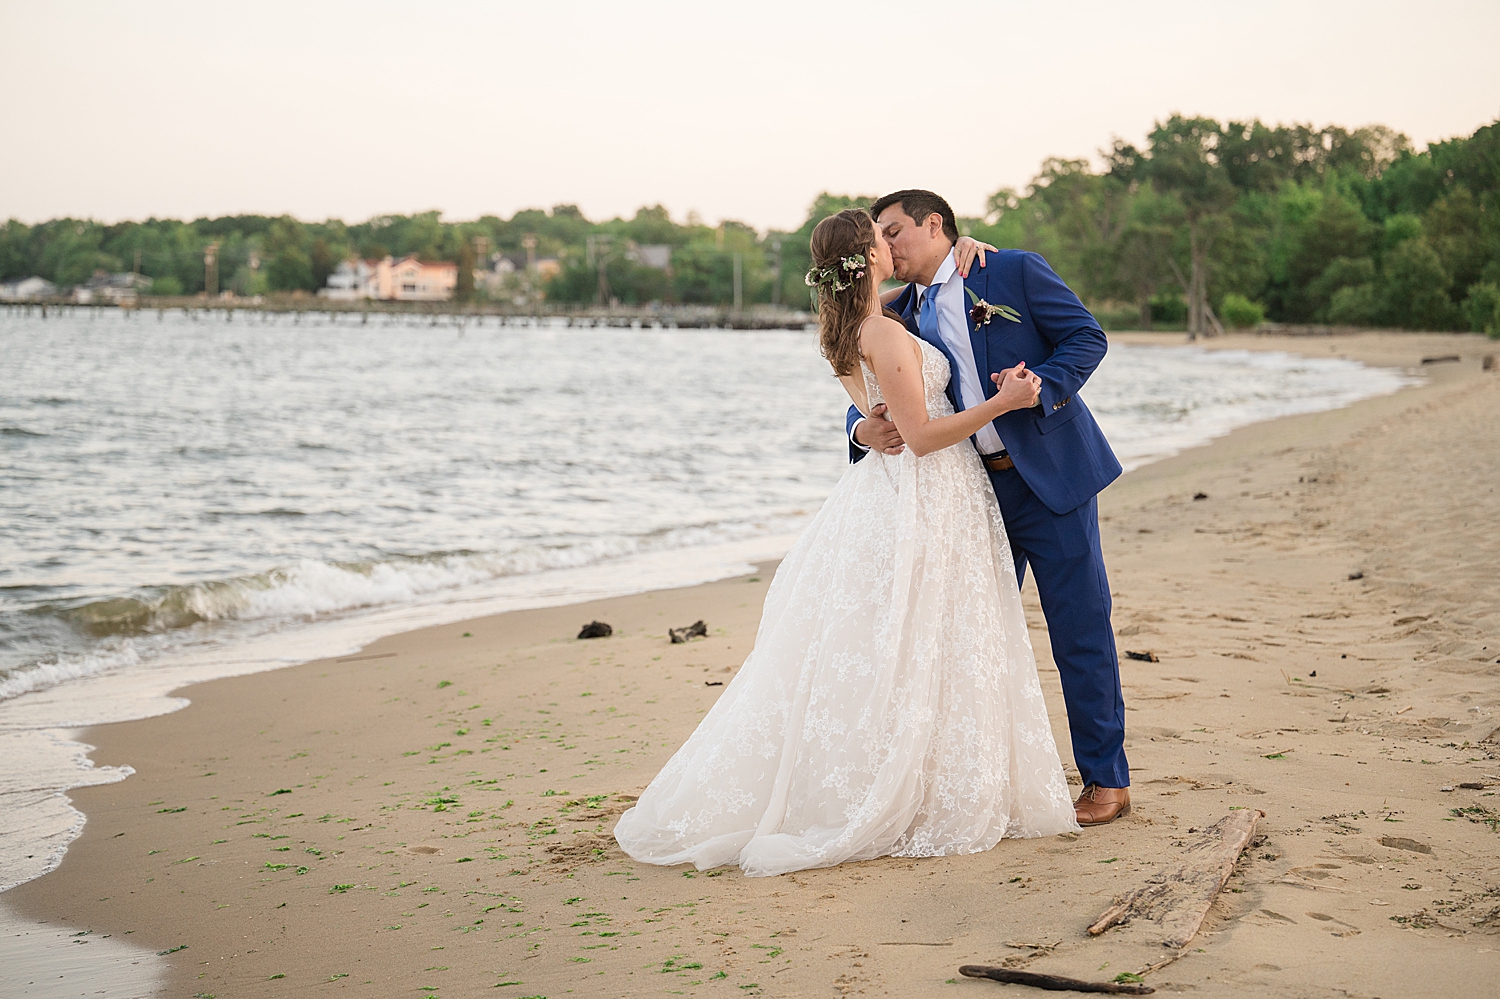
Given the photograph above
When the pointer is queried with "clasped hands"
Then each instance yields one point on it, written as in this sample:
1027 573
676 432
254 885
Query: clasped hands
1016 388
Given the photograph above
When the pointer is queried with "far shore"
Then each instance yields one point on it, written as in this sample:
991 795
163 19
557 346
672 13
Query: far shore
1315 606
655 315
659 316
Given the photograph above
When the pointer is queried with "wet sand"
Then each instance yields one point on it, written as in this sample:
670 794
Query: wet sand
431 817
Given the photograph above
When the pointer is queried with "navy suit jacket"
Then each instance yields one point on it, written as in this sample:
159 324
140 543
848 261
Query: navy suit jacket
1058 448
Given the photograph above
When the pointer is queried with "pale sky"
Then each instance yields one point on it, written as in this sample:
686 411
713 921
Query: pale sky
325 108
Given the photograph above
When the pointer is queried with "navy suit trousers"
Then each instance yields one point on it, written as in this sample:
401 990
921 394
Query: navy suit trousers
1065 558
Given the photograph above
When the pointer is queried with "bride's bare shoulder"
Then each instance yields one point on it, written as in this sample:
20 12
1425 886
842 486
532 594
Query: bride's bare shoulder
881 333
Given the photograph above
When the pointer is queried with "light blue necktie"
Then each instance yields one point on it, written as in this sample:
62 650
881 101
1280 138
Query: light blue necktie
927 324
927 315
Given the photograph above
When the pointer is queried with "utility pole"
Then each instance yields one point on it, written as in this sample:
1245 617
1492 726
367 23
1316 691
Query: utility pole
596 249
739 283
776 270
529 242
137 260
211 269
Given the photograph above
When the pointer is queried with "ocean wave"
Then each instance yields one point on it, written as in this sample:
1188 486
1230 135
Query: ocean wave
61 668
310 590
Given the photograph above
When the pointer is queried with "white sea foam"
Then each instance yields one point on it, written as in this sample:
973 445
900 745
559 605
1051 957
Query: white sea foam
61 668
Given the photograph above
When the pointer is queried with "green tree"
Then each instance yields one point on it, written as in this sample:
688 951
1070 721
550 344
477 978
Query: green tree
1416 288
1482 308
166 285
1143 261
291 266
1316 226
1185 162
1239 312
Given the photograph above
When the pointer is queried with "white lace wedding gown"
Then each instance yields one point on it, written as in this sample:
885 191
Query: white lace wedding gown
891 704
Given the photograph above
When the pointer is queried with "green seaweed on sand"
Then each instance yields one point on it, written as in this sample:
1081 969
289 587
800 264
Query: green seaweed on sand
1478 813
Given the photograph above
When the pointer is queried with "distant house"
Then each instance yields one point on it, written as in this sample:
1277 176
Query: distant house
116 289
413 280
404 280
27 289
352 280
499 277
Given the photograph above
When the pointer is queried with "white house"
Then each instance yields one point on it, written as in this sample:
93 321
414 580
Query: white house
352 280
112 288
27 289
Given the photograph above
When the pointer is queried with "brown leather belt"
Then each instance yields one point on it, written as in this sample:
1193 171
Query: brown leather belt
998 462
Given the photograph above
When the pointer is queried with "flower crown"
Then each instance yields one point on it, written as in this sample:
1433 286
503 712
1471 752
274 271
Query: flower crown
851 268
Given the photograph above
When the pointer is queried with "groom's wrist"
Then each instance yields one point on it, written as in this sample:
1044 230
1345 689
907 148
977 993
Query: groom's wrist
854 430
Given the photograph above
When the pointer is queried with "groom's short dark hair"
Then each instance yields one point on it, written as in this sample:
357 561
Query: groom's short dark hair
919 205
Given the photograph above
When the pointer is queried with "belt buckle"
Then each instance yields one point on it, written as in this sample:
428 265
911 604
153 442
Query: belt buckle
1000 462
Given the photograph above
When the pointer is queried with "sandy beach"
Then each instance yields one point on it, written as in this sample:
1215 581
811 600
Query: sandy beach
432 816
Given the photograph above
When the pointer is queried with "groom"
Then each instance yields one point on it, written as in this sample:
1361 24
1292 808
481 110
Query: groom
1047 464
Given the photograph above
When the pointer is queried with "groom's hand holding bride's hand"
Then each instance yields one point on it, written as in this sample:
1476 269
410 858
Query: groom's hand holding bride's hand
878 432
1017 388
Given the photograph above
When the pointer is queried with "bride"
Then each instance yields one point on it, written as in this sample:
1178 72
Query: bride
891 704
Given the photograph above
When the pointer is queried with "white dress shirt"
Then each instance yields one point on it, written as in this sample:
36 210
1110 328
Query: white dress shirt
953 326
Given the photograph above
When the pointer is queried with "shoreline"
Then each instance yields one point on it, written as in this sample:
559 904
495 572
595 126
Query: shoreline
1266 542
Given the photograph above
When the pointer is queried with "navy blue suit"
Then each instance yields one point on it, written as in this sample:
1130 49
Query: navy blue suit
1049 500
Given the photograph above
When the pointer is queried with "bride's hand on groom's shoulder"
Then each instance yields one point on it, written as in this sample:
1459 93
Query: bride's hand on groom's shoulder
966 250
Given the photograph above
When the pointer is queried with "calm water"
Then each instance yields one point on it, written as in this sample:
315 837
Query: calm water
167 480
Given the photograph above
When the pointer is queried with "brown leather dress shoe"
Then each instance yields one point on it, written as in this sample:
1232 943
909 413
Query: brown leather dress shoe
1099 805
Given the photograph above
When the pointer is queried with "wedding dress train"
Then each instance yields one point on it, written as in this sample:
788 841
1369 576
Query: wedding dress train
891 704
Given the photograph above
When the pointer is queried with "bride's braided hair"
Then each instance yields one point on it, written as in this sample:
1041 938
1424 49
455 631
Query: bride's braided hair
840 278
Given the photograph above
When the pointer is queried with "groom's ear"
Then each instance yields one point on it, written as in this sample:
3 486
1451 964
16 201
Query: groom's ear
934 225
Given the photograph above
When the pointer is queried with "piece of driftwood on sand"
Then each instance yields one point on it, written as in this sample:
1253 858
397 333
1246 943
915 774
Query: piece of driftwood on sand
1178 897
1052 983
695 630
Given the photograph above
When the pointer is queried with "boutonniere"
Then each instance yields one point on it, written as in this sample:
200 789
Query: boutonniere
983 311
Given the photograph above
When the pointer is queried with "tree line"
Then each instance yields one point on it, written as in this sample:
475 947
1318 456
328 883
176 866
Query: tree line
1236 221
1206 224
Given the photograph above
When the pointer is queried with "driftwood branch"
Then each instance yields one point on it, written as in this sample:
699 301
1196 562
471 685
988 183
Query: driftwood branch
1052 983
1178 897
